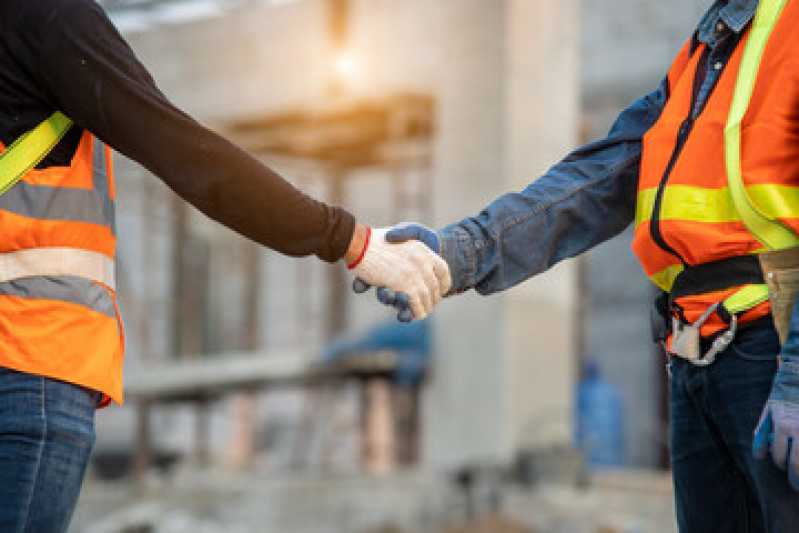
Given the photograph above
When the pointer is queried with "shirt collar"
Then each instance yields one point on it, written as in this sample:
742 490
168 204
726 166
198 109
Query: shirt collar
736 14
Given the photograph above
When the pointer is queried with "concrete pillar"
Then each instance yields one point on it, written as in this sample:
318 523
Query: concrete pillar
541 123
509 109
466 409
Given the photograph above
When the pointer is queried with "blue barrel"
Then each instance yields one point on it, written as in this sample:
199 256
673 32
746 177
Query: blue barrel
599 431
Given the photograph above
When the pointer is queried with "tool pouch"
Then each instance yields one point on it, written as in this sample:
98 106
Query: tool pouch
781 273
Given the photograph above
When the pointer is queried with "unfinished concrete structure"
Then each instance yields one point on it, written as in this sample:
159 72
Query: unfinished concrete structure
507 78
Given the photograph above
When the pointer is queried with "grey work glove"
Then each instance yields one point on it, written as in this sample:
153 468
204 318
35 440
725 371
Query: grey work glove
400 300
403 266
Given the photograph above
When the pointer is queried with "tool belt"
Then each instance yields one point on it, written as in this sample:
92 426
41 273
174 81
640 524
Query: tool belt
781 272
778 269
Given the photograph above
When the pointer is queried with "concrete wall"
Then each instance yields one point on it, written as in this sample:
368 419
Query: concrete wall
502 75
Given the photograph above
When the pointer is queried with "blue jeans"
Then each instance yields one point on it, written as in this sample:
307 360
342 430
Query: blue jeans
46 437
719 486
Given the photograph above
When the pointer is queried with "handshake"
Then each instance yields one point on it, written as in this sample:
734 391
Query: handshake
403 262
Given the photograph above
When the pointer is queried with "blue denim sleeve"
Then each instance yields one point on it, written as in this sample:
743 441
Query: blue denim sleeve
580 202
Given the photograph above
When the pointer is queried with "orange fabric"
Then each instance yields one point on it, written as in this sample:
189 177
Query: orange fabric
53 338
770 155
63 341
21 232
719 240
77 176
109 166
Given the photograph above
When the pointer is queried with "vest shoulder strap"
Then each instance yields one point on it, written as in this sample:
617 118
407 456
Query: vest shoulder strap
769 231
31 148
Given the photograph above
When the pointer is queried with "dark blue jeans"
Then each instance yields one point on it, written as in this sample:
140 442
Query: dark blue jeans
46 437
719 486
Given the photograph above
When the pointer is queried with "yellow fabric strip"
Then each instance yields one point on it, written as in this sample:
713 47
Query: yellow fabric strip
665 278
697 204
29 150
768 231
645 205
746 298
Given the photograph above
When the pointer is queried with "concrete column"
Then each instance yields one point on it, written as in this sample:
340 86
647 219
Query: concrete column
466 409
541 127
508 109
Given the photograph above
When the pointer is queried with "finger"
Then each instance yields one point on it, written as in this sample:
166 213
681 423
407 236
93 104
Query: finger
417 306
441 270
793 464
386 296
403 232
427 282
360 286
765 427
405 315
407 232
779 449
403 301
426 300
431 283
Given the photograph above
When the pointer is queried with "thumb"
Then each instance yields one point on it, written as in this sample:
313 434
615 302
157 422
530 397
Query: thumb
360 286
404 232
760 445
413 231
405 315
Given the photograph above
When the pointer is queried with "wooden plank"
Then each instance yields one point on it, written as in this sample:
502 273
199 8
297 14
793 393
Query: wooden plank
225 373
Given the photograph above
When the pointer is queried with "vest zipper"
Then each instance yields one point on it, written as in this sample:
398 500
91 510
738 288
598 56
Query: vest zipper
682 136
654 227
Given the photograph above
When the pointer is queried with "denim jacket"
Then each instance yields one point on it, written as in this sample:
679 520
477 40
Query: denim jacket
585 199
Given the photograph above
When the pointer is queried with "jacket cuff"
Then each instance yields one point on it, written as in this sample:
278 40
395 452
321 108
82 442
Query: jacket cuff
457 249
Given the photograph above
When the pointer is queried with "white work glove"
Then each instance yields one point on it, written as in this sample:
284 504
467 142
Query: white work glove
409 267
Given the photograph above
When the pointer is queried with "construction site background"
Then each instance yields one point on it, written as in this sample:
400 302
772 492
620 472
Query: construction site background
411 110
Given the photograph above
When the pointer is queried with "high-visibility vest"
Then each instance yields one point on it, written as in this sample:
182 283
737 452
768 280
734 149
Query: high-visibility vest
722 186
58 311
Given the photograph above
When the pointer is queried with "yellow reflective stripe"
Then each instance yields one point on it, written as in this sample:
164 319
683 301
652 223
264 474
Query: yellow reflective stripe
689 203
29 150
644 205
775 201
746 298
698 204
768 231
665 278
684 202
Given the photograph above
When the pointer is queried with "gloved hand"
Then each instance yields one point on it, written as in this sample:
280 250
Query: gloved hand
778 429
408 231
408 267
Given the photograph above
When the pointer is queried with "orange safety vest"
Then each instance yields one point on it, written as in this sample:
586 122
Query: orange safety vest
58 311
685 215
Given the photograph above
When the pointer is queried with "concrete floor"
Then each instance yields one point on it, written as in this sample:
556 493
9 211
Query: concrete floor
213 501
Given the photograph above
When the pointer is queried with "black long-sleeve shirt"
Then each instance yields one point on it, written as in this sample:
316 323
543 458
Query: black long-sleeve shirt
66 55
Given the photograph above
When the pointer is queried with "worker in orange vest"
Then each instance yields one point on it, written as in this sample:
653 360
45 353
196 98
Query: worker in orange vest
707 168
70 89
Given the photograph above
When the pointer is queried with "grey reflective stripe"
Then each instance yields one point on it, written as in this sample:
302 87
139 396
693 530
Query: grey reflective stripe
63 203
101 185
62 288
54 203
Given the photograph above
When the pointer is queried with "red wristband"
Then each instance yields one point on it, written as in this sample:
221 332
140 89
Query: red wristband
363 252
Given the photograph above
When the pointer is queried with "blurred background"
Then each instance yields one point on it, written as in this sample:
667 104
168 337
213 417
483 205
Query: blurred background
264 396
